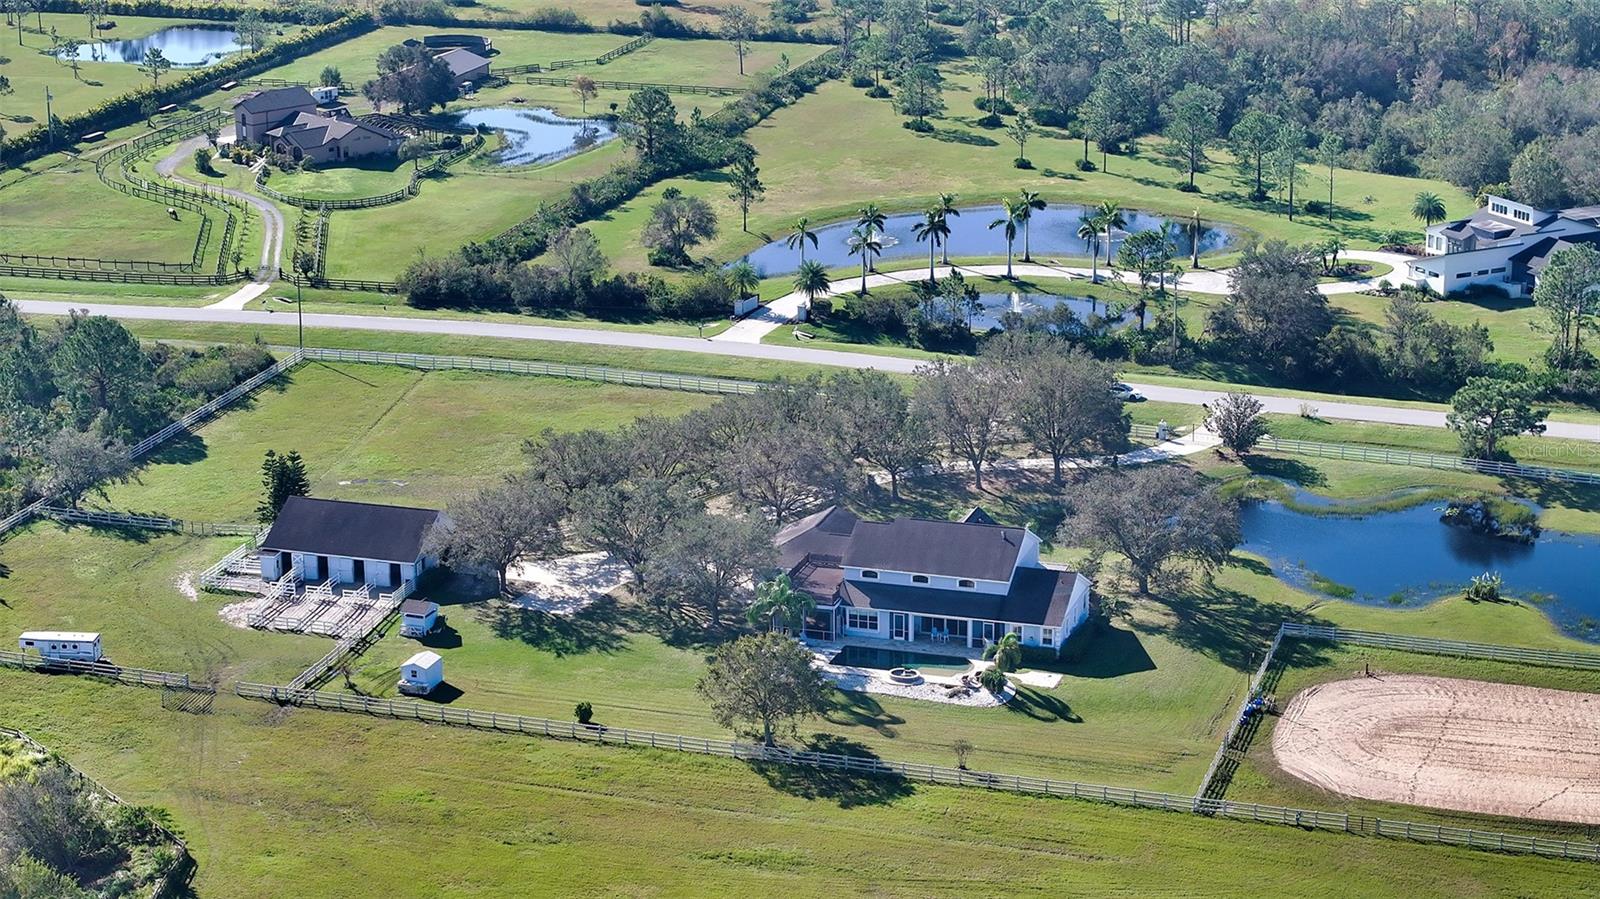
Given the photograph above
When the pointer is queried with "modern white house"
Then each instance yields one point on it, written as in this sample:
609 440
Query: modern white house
421 674
964 583
1505 244
348 543
418 617
76 646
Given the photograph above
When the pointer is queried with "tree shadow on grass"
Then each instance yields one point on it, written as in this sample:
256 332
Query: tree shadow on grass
597 628
443 637
125 533
1112 651
853 708
184 449
1294 470
847 788
1041 706
1227 625
957 136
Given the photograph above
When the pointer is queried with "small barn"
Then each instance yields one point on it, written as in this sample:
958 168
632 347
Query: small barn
348 543
76 646
418 617
421 674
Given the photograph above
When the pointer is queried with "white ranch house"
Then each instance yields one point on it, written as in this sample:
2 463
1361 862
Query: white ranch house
1505 245
348 543
76 646
957 583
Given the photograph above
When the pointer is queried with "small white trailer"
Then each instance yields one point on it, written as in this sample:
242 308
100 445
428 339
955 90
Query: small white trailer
76 646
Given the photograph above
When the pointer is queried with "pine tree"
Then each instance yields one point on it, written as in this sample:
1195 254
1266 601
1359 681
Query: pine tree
281 477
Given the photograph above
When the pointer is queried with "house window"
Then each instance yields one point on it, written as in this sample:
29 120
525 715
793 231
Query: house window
966 582
1048 636
869 574
1464 275
919 579
1483 271
867 621
1500 270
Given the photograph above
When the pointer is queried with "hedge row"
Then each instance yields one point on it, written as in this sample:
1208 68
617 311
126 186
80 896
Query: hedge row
124 108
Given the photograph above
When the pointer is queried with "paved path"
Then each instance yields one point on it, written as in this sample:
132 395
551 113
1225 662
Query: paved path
786 308
272 220
778 353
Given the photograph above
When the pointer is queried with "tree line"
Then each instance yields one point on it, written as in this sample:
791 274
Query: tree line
75 394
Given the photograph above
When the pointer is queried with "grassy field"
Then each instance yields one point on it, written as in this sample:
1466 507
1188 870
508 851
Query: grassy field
281 802
878 161
31 68
359 178
95 292
65 210
1260 779
380 434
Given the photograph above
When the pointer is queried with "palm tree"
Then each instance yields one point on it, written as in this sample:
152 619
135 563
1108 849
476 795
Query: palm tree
864 242
1030 202
934 229
812 280
1008 221
802 233
1006 653
1111 218
947 208
1089 233
780 605
744 278
1428 207
872 218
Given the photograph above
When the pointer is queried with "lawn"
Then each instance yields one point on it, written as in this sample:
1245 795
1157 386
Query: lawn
294 802
358 178
878 161
1306 664
357 58
707 62
32 68
64 210
95 292
378 433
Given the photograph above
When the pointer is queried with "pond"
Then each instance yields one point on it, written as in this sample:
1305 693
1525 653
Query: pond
992 306
536 135
1409 557
185 46
889 659
1055 232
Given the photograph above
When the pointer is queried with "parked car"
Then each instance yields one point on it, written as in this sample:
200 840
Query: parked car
1127 393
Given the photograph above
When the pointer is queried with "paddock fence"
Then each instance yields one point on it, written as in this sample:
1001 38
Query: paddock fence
701 89
1236 740
413 185
406 710
204 413
137 677
689 383
102 518
342 283
600 60
1389 456
35 260
1554 658
181 862
122 277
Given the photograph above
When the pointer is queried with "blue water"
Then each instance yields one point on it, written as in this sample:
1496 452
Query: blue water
536 135
995 305
886 659
1055 232
1412 555
185 46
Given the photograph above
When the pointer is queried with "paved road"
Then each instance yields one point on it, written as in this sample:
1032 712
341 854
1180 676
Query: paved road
785 309
778 353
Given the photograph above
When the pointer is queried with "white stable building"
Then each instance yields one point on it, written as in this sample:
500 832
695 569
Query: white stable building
421 674
75 646
348 543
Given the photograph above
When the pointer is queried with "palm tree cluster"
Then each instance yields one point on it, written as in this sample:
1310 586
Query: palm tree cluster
1106 218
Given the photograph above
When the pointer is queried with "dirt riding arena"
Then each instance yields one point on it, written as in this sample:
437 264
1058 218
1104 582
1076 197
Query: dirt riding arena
1464 745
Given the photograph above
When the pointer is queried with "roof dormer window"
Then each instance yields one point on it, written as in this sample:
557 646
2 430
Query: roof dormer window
919 579
869 574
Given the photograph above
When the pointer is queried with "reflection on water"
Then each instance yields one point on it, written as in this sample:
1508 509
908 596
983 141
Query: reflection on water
536 135
1054 231
185 46
1410 555
993 307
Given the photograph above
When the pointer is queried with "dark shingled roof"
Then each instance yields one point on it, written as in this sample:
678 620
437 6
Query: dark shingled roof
924 546
460 61
418 607
1037 596
976 515
825 533
275 99
329 527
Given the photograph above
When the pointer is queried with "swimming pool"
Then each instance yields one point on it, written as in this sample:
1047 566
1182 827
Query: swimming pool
874 657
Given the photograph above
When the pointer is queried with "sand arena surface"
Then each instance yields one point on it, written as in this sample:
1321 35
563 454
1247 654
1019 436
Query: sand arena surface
1464 745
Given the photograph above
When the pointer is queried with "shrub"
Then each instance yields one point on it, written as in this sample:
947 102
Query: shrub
990 121
1022 162
1085 165
878 92
1485 588
1187 188
997 105
993 680
860 79
584 712
919 125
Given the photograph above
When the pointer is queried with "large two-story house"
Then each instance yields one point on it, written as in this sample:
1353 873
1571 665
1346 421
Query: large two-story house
965 583
290 121
1505 244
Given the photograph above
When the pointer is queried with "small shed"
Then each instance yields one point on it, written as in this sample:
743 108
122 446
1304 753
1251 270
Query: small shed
418 617
421 674
76 646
